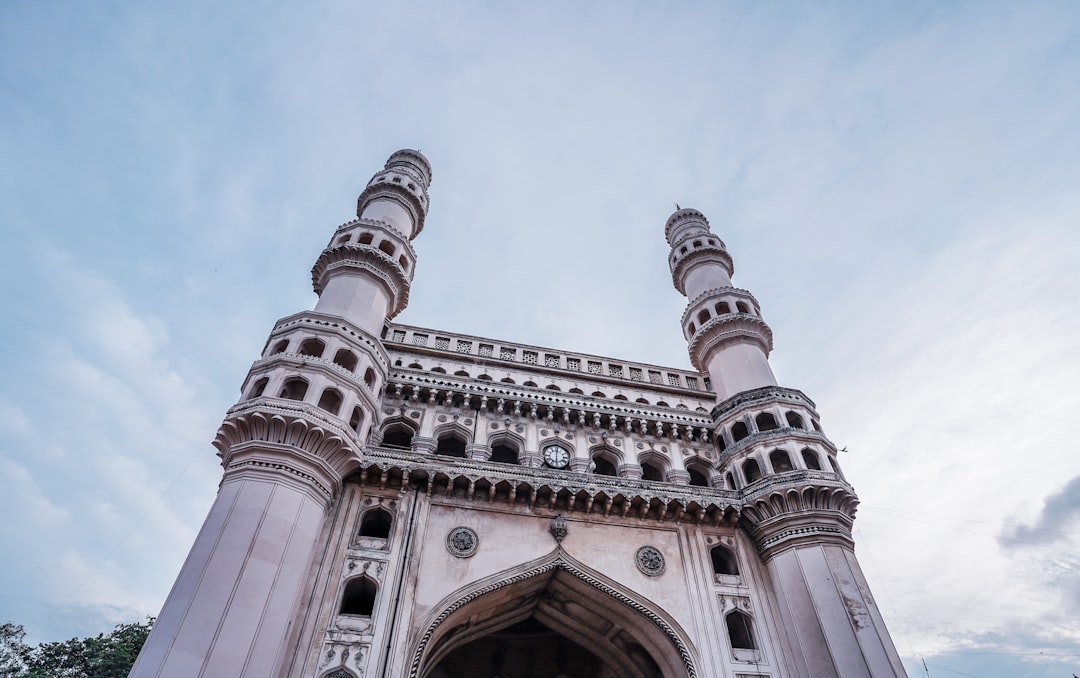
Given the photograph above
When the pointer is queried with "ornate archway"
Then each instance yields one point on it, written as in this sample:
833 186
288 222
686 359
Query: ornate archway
549 597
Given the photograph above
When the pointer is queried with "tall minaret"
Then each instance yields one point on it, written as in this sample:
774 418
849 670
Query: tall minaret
306 408
797 507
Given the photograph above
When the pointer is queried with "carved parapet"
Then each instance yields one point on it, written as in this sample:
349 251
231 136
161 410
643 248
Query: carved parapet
798 508
725 330
364 259
761 396
292 441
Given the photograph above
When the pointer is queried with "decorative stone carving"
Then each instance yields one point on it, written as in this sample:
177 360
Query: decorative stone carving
462 542
558 528
650 561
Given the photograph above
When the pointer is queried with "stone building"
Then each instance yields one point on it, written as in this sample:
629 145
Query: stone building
402 501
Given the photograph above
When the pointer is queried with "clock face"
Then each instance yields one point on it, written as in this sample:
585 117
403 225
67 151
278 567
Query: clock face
556 457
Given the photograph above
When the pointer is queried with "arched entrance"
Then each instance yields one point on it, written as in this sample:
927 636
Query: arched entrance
552 618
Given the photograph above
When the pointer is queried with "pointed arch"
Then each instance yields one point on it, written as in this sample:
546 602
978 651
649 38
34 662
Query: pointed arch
398 432
444 629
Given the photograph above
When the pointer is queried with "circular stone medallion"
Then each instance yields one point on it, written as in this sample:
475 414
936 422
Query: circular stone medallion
650 561
462 542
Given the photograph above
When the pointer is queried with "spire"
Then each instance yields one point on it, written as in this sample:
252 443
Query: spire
366 270
722 323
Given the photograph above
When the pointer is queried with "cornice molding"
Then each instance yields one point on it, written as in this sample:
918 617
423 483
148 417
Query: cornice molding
682 264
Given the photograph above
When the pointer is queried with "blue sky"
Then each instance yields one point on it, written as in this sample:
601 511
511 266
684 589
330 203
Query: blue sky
896 182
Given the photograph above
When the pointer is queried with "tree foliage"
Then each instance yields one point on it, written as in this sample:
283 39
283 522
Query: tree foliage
103 656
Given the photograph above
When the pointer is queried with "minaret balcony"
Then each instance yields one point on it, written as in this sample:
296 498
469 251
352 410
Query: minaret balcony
370 263
728 329
704 251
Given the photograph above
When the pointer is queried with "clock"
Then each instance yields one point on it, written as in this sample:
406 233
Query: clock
556 457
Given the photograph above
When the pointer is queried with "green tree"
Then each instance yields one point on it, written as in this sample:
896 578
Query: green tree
102 656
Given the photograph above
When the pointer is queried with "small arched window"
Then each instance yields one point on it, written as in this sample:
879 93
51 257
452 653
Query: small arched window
399 436
743 308
387 247
357 419
751 470
576 391
781 462
721 444
259 387
376 523
345 358
794 420
404 262
650 471
450 445
729 479
280 347
530 383
599 394
698 477
811 460
504 454
722 308
365 238
766 422
817 426
740 631
739 431
723 560
641 401
703 317
461 373
603 467
369 378
552 387
293 389
506 380
312 347
343 239
359 597
331 401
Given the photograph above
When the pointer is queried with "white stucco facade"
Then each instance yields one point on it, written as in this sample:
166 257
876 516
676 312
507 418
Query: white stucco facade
402 501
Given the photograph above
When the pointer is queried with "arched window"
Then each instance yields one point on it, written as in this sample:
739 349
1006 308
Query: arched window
751 470
576 391
312 347
404 262
781 462
331 401
794 420
530 383
743 308
641 401
650 471
703 316
387 246
359 597
693 329
415 366
369 378
603 467
398 435
504 454
259 387
723 560
721 444
740 631
343 239
345 358
662 404
293 389
280 347
357 419
817 426
811 460
438 370
620 397
450 446
739 431
729 479
599 394
766 422
698 476
376 523
485 377
552 387
461 373
722 308
365 238
506 380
